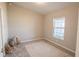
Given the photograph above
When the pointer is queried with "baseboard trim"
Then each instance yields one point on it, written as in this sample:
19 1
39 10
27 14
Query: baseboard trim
62 47
31 39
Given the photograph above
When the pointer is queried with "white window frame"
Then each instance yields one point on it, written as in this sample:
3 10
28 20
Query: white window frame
58 18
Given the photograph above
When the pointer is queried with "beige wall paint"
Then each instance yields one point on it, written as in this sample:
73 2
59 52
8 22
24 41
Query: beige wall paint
24 23
77 44
70 14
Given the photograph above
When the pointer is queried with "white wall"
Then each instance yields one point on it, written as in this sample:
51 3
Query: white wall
70 14
24 23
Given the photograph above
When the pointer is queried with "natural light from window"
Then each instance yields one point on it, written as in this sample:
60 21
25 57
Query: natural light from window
58 28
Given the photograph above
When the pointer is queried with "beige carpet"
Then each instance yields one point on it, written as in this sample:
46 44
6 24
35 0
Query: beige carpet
37 49
43 49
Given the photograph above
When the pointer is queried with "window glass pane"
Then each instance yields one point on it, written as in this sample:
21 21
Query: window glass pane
59 22
59 32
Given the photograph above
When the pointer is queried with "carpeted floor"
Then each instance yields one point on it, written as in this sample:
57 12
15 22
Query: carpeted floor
37 49
19 51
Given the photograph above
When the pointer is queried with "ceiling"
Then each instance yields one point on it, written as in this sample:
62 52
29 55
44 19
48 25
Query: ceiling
44 8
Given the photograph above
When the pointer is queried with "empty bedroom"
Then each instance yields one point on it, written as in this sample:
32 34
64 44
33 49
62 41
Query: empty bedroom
39 29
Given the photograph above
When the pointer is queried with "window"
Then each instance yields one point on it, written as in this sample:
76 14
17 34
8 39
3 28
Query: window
59 26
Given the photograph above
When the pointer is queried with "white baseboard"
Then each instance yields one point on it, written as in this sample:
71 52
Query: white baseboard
31 39
60 45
